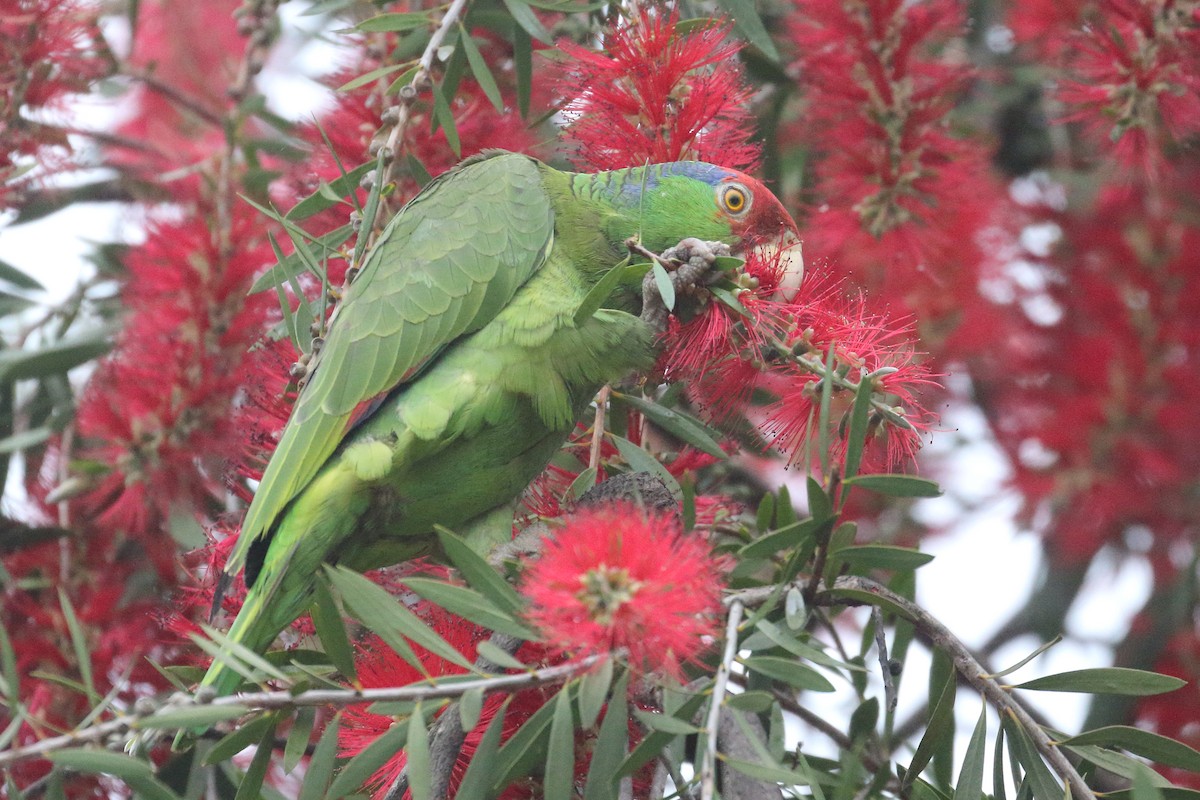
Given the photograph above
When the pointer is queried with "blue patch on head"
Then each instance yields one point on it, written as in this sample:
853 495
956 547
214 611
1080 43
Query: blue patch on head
630 191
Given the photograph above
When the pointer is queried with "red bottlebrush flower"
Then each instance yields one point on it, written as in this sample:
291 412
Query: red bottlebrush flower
659 96
1133 79
48 52
617 578
724 357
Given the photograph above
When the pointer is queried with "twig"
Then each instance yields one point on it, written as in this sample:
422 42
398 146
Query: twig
598 427
408 95
889 682
969 667
263 701
708 769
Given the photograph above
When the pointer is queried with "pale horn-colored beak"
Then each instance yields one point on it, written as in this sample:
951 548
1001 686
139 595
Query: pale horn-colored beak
788 254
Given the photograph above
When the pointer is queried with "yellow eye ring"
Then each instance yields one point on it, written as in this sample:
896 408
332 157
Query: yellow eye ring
734 198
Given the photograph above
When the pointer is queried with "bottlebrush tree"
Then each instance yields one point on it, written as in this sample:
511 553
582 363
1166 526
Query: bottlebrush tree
711 588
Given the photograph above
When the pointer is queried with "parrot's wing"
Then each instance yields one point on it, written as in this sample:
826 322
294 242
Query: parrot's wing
446 265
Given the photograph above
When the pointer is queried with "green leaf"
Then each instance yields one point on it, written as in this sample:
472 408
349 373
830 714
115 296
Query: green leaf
609 750
479 574
53 359
523 749
327 621
294 264
374 607
18 278
418 767
598 295
665 723
883 556
357 770
330 194
251 786
896 485
753 701
1153 746
373 75
786 538
560 755
320 766
298 738
683 426
394 87
25 439
790 672
1041 780
652 745
1106 680
238 740
192 717
479 69
394 22
641 461
666 289
856 438
523 68
138 774
970 776
470 605
1028 658
593 689
747 22
788 641
500 658
79 643
478 777
582 483
766 772
940 727
870 599
470 707
1114 761
524 16
444 117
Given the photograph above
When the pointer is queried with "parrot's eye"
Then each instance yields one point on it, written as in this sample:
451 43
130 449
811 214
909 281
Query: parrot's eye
734 198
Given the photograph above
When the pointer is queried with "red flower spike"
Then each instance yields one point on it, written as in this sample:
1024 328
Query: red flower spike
658 96
618 578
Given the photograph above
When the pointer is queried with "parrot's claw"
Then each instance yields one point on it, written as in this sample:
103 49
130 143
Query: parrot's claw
693 260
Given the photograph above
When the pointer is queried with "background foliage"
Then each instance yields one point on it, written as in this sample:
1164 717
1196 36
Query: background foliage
1013 181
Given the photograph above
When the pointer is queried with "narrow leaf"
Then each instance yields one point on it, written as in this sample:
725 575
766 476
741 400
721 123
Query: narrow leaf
320 766
883 556
479 574
609 750
479 69
523 67
641 461
394 22
83 654
470 707
677 423
367 761
896 485
444 117
238 740
478 777
330 629
192 716
524 16
1028 658
598 295
329 194
293 265
468 604
298 738
970 776
1041 780
373 75
1106 680
138 774
593 689
1153 746
18 278
560 755
374 607
419 777
747 22
666 289
941 725
790 672
251 786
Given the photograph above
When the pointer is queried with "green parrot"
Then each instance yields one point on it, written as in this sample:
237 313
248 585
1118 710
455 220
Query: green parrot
455 366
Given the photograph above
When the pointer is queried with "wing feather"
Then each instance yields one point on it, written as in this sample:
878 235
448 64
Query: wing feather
444 266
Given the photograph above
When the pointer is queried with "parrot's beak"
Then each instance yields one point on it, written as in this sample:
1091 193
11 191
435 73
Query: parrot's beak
787 253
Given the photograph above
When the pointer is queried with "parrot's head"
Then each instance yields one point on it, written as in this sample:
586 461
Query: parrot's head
691 198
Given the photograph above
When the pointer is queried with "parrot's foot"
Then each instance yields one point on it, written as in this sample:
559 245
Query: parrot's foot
692 260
